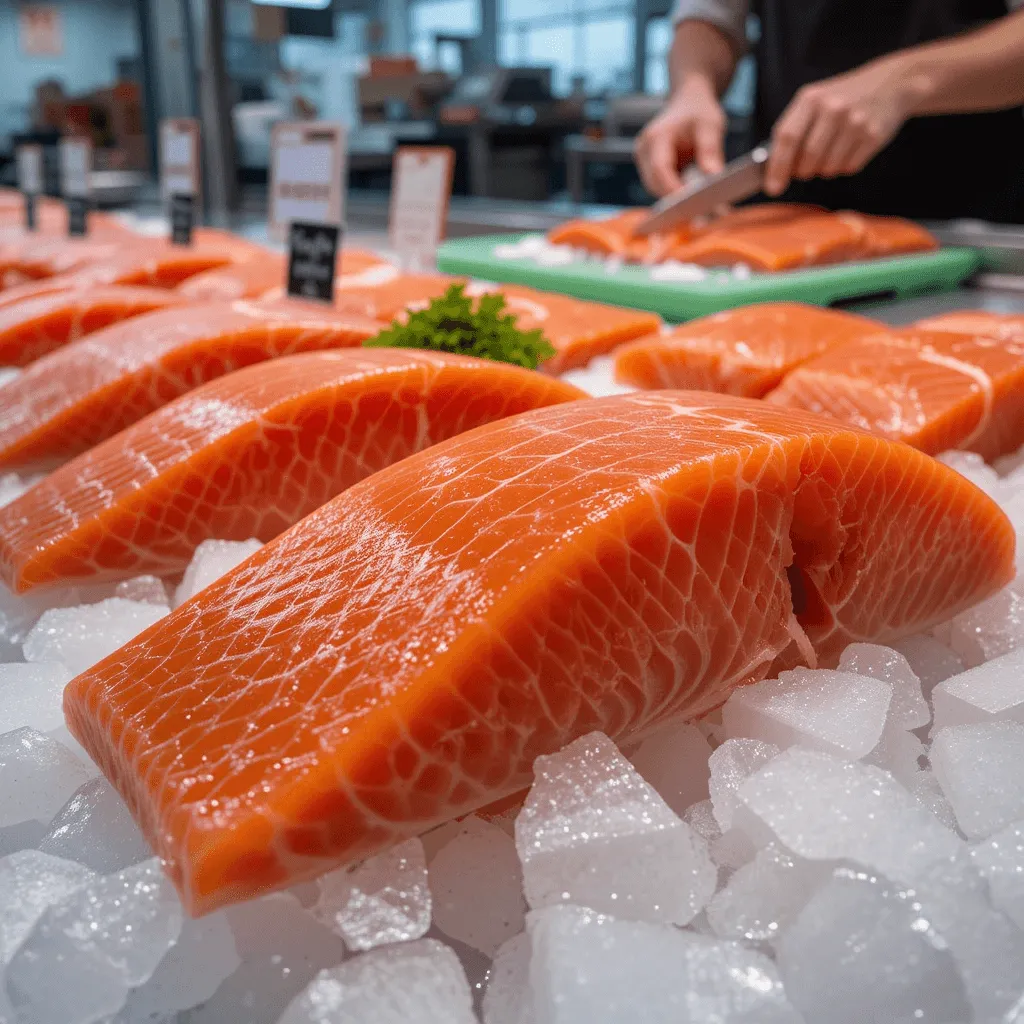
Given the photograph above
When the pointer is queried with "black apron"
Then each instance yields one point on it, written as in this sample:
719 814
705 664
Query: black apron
937 167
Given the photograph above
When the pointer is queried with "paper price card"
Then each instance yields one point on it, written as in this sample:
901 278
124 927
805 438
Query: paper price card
420 193
75 168
179 158
307 171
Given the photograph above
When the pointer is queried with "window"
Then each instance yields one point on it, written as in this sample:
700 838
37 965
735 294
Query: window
590 39
430 18
659 42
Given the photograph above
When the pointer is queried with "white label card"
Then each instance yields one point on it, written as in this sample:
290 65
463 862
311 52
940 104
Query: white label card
307 174
30 170
420 192
179 158
75 168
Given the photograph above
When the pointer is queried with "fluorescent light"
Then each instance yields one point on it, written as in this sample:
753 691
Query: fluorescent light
308 5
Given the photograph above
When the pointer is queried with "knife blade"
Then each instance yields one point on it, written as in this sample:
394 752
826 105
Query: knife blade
739 179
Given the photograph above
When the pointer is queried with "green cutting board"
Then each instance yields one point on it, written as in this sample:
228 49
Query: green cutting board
633 287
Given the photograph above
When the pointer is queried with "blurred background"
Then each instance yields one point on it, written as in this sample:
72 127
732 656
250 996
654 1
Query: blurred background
539 98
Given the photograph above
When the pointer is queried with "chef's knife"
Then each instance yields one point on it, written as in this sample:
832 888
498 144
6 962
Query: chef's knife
740 179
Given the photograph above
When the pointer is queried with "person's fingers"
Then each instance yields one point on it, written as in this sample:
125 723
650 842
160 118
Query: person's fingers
787 139
823 133
841 152
868 146
709 144
658 160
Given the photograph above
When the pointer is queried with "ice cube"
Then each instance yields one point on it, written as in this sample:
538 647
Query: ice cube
735 847
281 947
674 760
862 950
147 589
597 378
976 470
761 899
383 900
95 828
413 983
701 818
30 882
83 635
586 967
838 712
987 946
99 942
23 836
37 776
1000 858
477 887
931 661
981 771
908 709
992 691
508 999
190 973
823 808
594 833
213 559
731 765
990 629
32 696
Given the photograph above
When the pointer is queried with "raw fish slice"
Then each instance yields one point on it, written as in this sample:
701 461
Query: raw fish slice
35 327
402 655
799 242
753 215
248 280
975 322
744 351
249 455
891 236
393 297
614 237
72 399
931 389
40 257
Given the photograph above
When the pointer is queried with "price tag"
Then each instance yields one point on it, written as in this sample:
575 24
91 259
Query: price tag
179 157
183 217
30 181
307 171
312 260
420 192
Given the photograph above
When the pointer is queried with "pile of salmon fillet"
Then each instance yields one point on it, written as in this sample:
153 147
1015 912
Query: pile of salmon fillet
303 602
770 238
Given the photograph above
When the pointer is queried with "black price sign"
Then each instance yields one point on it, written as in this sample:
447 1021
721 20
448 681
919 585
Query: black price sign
183 216
78 216
31 221
312 260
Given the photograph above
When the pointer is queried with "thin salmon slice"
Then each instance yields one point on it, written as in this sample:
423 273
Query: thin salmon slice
84 393
402 655
249 455
800 242
615 237
394 296
745 351
933 390
976 322
247 280
891 236
36 327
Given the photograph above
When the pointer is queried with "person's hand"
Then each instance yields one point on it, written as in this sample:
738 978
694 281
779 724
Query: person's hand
837 125
690 128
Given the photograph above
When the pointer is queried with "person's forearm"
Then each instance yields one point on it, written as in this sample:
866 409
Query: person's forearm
702 56
980 70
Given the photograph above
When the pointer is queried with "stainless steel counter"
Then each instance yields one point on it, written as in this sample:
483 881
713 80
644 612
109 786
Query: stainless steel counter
905 311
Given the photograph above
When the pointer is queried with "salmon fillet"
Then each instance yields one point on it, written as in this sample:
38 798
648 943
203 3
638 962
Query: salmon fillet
931 389
614 237
799 242
891 236
745 351
248 280
392 297
402 655
72 399
35 327
976 322
249 455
